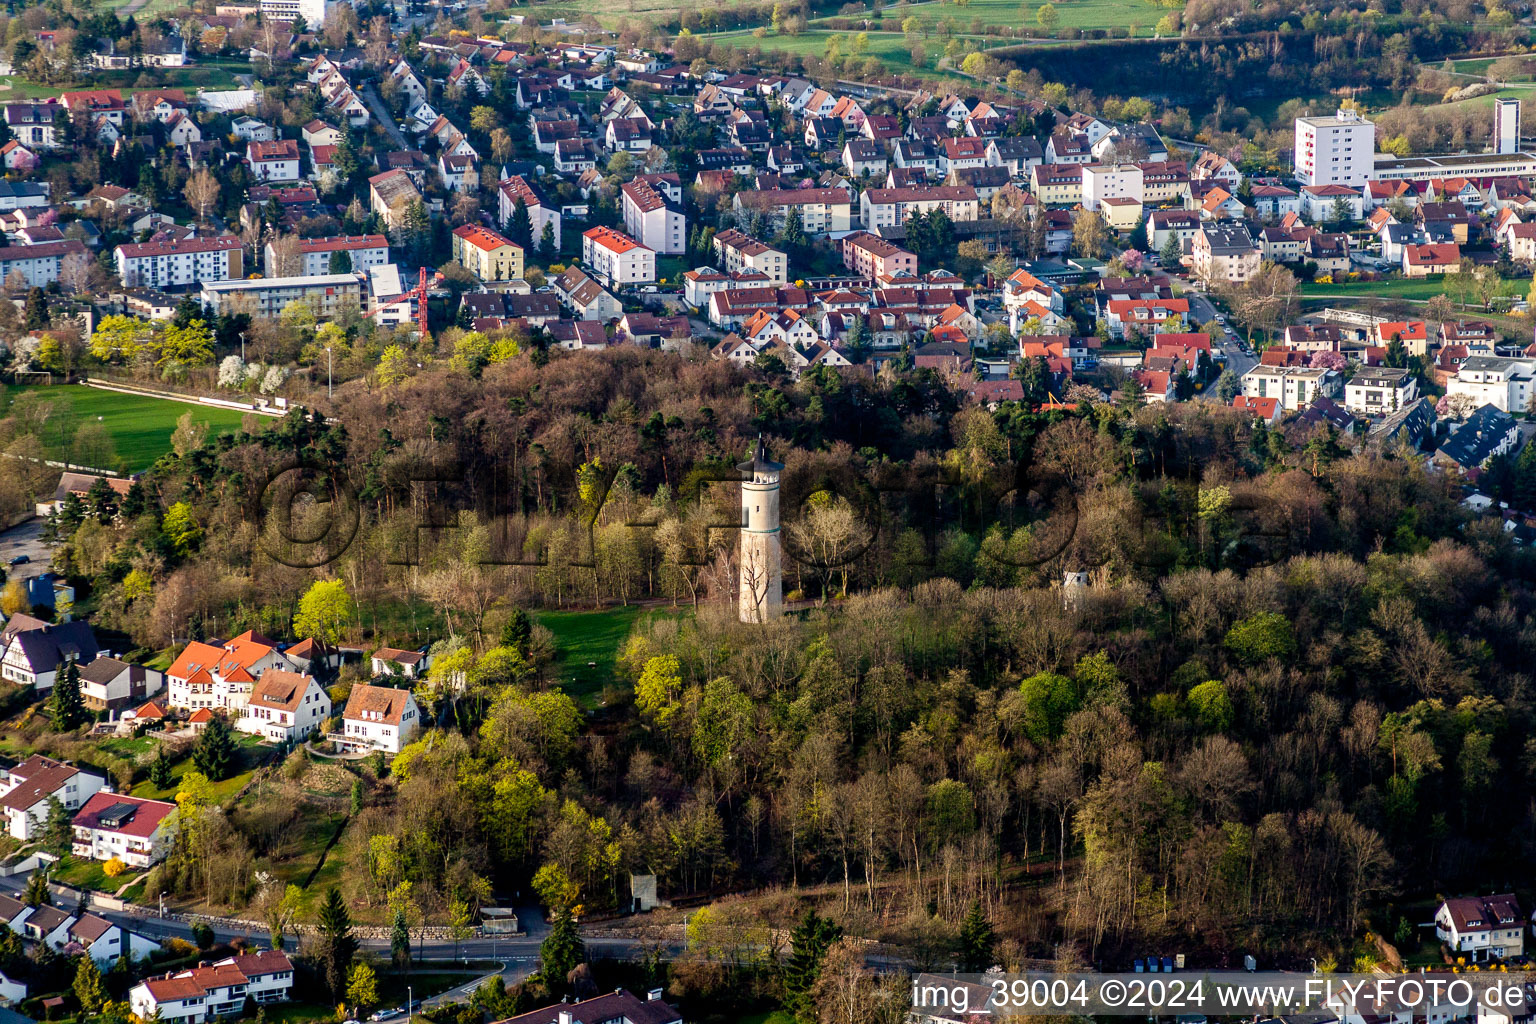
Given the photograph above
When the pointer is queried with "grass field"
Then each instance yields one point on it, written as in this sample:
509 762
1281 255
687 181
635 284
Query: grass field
1080 14
1402 288
589 644
140 426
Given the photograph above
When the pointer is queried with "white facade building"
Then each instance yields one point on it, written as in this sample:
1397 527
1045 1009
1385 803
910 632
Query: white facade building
379 718
616 259
136 831
1506 126
168 264
1506 384
1336 150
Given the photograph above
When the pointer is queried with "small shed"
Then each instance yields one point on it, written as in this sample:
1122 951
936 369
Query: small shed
642 893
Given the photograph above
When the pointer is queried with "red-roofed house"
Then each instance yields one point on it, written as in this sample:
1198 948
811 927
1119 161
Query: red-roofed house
205 676
218 990
1266 409
1156 385
27 789
136 831
273 161
616 259
1423 260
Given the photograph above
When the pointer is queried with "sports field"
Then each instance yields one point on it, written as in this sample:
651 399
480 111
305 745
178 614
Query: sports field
139 426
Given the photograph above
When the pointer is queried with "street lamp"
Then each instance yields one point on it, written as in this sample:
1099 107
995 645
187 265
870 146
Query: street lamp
327 371
162 903
410 999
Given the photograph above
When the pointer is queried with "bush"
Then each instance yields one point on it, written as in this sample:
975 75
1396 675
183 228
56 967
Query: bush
113 868
1261 637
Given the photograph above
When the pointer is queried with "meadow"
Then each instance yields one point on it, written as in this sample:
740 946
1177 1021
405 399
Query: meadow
140 426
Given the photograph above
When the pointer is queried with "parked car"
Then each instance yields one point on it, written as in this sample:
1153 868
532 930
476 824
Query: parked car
21 559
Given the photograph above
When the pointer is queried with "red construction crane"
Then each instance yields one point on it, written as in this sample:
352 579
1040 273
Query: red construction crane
420 292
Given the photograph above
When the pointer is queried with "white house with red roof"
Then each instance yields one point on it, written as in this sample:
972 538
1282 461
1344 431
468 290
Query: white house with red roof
1431 258
379 718
136 831
1266 409
284 707
99 938
214 990
205 676
1482 927
25 792
17 157
273 161
616 259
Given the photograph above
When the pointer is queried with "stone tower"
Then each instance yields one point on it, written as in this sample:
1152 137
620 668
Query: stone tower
761 557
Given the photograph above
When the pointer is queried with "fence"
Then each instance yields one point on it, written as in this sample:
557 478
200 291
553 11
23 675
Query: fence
261 408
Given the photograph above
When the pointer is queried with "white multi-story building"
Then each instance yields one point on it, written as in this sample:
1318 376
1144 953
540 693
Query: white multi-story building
888 207
25 792
1506 126
221 677
284 707
741 253
39 263
209 991
315 254
616 259
379 718
650 217
314 12
1294 386
1110 181
822 210
1506 384
1380 390
1481 927
265 298
1336 150
136 831
187 261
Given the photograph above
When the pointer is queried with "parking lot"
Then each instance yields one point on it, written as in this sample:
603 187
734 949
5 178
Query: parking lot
25 540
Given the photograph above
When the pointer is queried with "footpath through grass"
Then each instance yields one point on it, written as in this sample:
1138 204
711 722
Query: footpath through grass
140 426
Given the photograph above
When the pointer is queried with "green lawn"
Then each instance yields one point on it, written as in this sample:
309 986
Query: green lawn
889 47
140 426
221 791
589 644
89 874
1082 14
1401 288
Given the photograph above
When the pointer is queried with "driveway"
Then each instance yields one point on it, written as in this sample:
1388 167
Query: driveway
26 539
384 116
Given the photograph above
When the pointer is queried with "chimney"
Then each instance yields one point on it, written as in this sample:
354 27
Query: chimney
566 1018
653 996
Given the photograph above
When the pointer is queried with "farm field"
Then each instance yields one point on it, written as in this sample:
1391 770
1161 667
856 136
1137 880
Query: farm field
140 426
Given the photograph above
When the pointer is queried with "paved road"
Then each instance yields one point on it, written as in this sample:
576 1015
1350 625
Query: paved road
384 116
26 539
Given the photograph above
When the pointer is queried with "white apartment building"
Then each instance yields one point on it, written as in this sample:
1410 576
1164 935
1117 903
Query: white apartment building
169 264
1504 383
379 718
1111 181
652 219
1295 386
209 991
616 259
315 254
313 12
822 210
26 789
266 298
741 253
1380 390
888 207
1336 150
284 707
39 263
136 831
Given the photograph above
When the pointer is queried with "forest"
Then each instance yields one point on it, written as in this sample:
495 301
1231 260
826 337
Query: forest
1278 711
